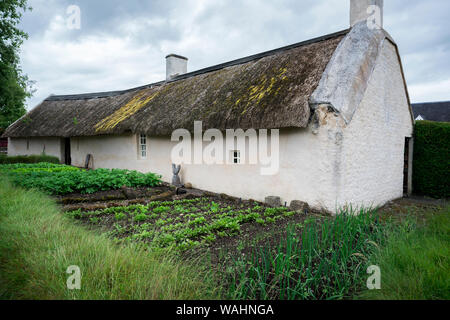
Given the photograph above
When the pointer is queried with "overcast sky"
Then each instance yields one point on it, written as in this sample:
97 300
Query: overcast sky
123 44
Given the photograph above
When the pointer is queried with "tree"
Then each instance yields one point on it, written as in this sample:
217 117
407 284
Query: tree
14 85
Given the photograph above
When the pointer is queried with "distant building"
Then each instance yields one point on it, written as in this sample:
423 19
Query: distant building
432 111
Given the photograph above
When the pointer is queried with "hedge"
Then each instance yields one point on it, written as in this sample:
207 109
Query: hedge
28 159
431 170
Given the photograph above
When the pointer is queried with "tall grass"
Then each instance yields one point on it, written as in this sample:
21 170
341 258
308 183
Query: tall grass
324 260
37 244
415 262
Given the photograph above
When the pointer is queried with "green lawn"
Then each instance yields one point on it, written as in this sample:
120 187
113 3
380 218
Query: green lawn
415 261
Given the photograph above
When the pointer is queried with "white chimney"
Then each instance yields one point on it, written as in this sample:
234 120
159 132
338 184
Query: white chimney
366 10
175 66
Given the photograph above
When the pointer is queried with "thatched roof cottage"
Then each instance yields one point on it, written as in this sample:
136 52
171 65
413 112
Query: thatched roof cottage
340 103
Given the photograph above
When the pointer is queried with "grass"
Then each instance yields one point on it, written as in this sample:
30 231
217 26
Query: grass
38 244
321 259
327 258
415 262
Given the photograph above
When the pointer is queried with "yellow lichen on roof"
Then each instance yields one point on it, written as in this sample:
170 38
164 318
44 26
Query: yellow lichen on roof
133 106
257 92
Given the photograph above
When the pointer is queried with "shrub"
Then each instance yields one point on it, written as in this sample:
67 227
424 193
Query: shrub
431 172
28 159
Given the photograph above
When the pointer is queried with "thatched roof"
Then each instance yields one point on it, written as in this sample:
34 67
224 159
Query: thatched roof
269 90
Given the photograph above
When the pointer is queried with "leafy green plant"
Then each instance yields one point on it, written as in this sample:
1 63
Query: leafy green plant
140 217
161 209
59 179
120 216
94 220
214 207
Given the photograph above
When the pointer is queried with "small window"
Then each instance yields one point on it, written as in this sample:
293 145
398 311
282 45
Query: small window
236 156
143 146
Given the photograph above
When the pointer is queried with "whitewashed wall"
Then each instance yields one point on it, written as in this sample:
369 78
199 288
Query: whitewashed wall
304 166
36 145
372 159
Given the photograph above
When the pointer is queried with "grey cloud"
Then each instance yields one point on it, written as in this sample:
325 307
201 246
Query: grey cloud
123 43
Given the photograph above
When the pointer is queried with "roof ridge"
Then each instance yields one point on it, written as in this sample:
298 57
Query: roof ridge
432 102
220 66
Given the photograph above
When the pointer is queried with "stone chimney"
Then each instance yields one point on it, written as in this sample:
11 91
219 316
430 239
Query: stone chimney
366 10
175 66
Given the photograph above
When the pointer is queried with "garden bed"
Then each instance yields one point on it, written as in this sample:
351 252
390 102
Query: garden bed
57 179
208 221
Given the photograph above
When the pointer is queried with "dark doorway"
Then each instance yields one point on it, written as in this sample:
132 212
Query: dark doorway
406 168
67 158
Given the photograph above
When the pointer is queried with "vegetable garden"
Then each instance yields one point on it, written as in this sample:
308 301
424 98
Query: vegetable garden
182 224
252 250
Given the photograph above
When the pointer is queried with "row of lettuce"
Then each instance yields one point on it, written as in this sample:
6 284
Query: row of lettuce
59 179
180 224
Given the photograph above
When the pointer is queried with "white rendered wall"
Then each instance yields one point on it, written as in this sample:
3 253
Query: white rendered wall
304 174
372 159
108 151
36 146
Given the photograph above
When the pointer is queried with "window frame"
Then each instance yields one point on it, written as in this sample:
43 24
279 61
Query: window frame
142 146
235 156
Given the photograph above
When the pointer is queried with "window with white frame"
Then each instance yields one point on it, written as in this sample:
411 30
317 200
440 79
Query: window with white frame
143 146
236 156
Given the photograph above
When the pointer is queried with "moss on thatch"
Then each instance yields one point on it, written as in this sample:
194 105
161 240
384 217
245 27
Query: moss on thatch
267 92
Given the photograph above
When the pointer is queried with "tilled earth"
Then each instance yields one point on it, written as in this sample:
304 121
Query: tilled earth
265 228
262 231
